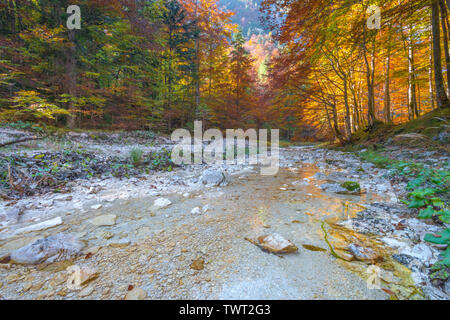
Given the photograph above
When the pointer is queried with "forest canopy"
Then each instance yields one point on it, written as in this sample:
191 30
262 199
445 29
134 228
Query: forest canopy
161 64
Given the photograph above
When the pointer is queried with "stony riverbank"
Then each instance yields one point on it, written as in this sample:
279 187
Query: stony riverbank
180 232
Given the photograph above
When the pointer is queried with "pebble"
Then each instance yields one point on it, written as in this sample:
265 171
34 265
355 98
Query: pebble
96 206
86 291
136 294
104 220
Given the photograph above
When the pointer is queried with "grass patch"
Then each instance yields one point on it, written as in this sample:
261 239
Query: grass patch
351 186
136 156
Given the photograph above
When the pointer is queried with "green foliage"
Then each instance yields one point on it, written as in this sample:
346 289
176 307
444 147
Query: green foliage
160 160
20 125
351 186
378 160
444 239
428 187
136 156
30 105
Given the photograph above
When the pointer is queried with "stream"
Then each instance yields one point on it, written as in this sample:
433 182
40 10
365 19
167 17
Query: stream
179 253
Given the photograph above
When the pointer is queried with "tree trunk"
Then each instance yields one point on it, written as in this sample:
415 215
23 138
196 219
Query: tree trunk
348 127
441 95
387 94
370 84
329 123
71 79
430 76
412 100
197 64
445 36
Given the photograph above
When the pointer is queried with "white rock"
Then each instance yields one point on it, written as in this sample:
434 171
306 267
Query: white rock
136 294
41 226
213 177
274 243
10 215
393 243
96 206
55 248
421 252
196 210
86 291
162 203
104 220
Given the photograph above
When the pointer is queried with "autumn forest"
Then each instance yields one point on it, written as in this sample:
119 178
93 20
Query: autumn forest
314 69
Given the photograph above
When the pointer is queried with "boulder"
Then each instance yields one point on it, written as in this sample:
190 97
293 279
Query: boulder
332 187
213 177
161 203
421 252
10 215
55 248
274 243
363 254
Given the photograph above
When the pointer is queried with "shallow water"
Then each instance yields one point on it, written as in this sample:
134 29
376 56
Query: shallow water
169 239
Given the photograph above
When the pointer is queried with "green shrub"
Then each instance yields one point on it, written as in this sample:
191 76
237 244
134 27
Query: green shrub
351 186
136 156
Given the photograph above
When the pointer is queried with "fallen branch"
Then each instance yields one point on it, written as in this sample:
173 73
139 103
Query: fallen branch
19 141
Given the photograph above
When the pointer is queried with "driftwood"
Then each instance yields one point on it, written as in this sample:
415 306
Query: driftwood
19 141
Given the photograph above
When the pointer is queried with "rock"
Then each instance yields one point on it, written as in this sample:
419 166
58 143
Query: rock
393 243
447 287
320 176
59 247
367 166
122 243
332 187
96 206
80 275
107 235
274 243
213 177
443 137
351 187
86 291
93 250
410 139
344 255
198 264
363 254
13 277
421 251
27 286
403 259
136 294
63 197
40 226
11 215
104 220
162 203
337 176
313 248
196 210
